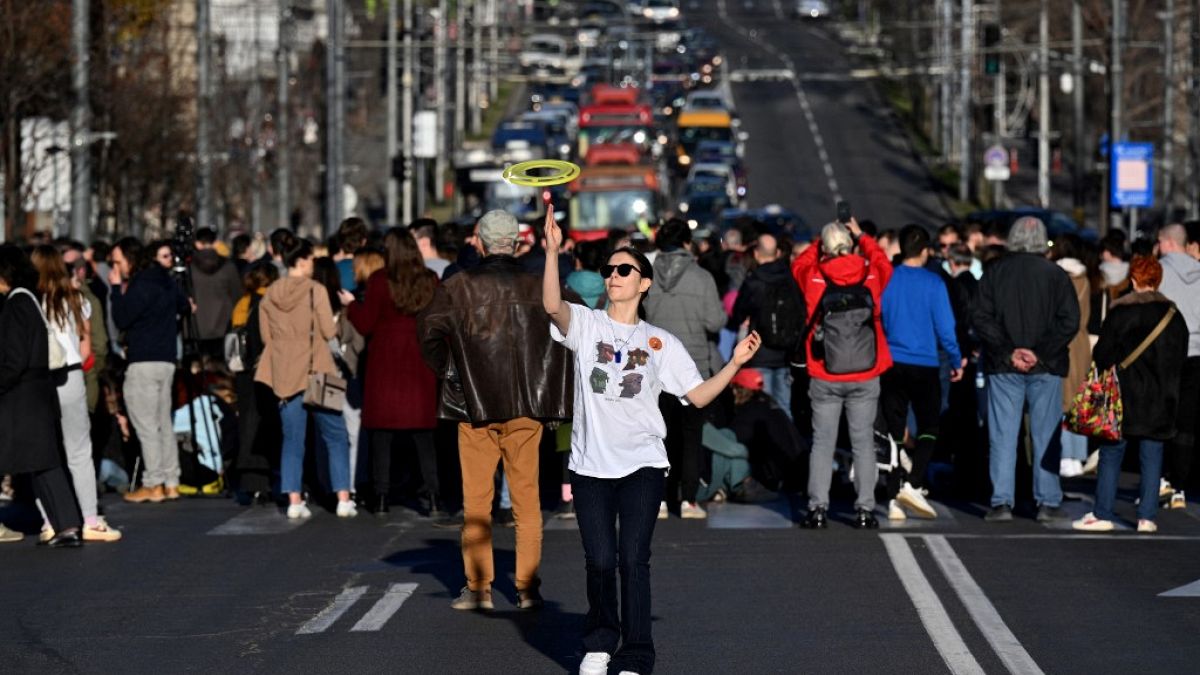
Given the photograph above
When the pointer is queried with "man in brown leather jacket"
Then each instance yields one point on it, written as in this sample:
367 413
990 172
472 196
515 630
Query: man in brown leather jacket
487 336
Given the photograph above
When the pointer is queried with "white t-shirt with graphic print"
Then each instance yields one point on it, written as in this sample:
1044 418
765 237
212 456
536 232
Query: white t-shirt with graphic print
619 372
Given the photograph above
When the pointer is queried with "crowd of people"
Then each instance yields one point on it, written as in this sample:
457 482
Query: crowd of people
513 371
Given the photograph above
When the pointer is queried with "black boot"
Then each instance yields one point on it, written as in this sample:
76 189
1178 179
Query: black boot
381 505
865 520
816 519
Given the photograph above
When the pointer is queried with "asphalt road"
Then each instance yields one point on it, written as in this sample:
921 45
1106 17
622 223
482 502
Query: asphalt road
816 134
206 586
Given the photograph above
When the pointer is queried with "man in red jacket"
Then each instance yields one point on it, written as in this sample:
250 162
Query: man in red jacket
846 364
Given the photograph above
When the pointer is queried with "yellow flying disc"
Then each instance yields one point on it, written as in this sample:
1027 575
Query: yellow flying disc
563 172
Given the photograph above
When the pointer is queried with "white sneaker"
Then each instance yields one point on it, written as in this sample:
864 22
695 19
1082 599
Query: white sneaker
1070 468
1178 500
595 663
1165 491
691 510
297 511
347 509
895 512
914 500
1090 523
663 514
1147 527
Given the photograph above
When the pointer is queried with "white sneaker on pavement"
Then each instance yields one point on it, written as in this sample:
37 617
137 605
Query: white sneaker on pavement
297 511
347 509
692 510
912 498
1178 500
595 663
1090 523
663 513
1147 526
895 512
1070 468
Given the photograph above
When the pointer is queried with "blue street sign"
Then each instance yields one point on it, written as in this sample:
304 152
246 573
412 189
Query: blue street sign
1132 177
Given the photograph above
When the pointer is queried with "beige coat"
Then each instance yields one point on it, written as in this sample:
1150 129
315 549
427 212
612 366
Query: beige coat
294 343
1080 349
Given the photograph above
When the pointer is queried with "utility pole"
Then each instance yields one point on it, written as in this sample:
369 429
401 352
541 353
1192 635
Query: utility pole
204 92
282 151
1044 106
335 92
439 77
1077 192
1001 105
460 72
406 122
477 72
392 121
1194 131
81 121
968 52
254 128
947 79
494 52
1117 85
1168 166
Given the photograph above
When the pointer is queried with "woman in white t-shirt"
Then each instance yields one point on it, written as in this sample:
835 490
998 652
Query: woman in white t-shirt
68 313
618 456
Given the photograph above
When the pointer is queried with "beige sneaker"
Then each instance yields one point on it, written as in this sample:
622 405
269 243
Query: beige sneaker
144 494
663 513
1090 523
1147 527
8 536
1178 500
912 499
895 512
469 599
692 510
101 531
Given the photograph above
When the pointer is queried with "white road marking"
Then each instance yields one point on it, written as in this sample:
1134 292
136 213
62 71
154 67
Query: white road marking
328 616
385 607
937 622
1191 590
1003 642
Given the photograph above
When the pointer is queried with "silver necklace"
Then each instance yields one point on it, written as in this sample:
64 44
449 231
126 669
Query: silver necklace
618 345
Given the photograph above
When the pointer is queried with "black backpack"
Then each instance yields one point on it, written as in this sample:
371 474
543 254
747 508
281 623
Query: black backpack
844 333
779 317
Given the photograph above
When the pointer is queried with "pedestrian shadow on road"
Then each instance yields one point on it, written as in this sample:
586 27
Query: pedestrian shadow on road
552 631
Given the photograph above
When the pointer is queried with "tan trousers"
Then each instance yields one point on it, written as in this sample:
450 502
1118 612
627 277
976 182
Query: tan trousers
479 449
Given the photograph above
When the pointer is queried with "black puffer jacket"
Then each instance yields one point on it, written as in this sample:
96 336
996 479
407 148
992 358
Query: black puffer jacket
750 299
1026 301
1150 387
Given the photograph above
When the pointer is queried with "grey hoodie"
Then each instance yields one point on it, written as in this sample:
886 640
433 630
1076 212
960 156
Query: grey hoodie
683 300
1181 285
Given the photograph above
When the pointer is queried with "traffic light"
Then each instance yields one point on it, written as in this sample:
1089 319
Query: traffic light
991 40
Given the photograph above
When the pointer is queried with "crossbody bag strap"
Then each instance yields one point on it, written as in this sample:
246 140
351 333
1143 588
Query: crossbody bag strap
1162 325
312 331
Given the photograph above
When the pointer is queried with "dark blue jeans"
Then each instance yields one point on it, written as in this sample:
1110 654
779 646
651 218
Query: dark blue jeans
600 504
1109 473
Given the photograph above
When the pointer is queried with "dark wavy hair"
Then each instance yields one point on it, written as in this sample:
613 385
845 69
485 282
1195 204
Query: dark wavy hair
411 283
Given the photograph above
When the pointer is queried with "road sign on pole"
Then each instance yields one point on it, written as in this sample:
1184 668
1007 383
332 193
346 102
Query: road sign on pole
1132 175
995 163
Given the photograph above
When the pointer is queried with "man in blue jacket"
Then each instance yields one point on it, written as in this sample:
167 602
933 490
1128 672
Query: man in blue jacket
917 319
146 304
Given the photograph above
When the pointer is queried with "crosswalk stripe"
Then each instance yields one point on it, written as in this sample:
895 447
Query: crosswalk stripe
385 607
328 616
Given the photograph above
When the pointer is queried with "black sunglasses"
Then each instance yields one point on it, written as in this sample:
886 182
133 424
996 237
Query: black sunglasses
624 269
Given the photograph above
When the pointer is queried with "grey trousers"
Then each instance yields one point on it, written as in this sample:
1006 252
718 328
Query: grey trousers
77 441
148 398
860 400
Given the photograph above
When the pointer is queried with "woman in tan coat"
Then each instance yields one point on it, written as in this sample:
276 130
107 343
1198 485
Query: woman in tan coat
297 325
1069 253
